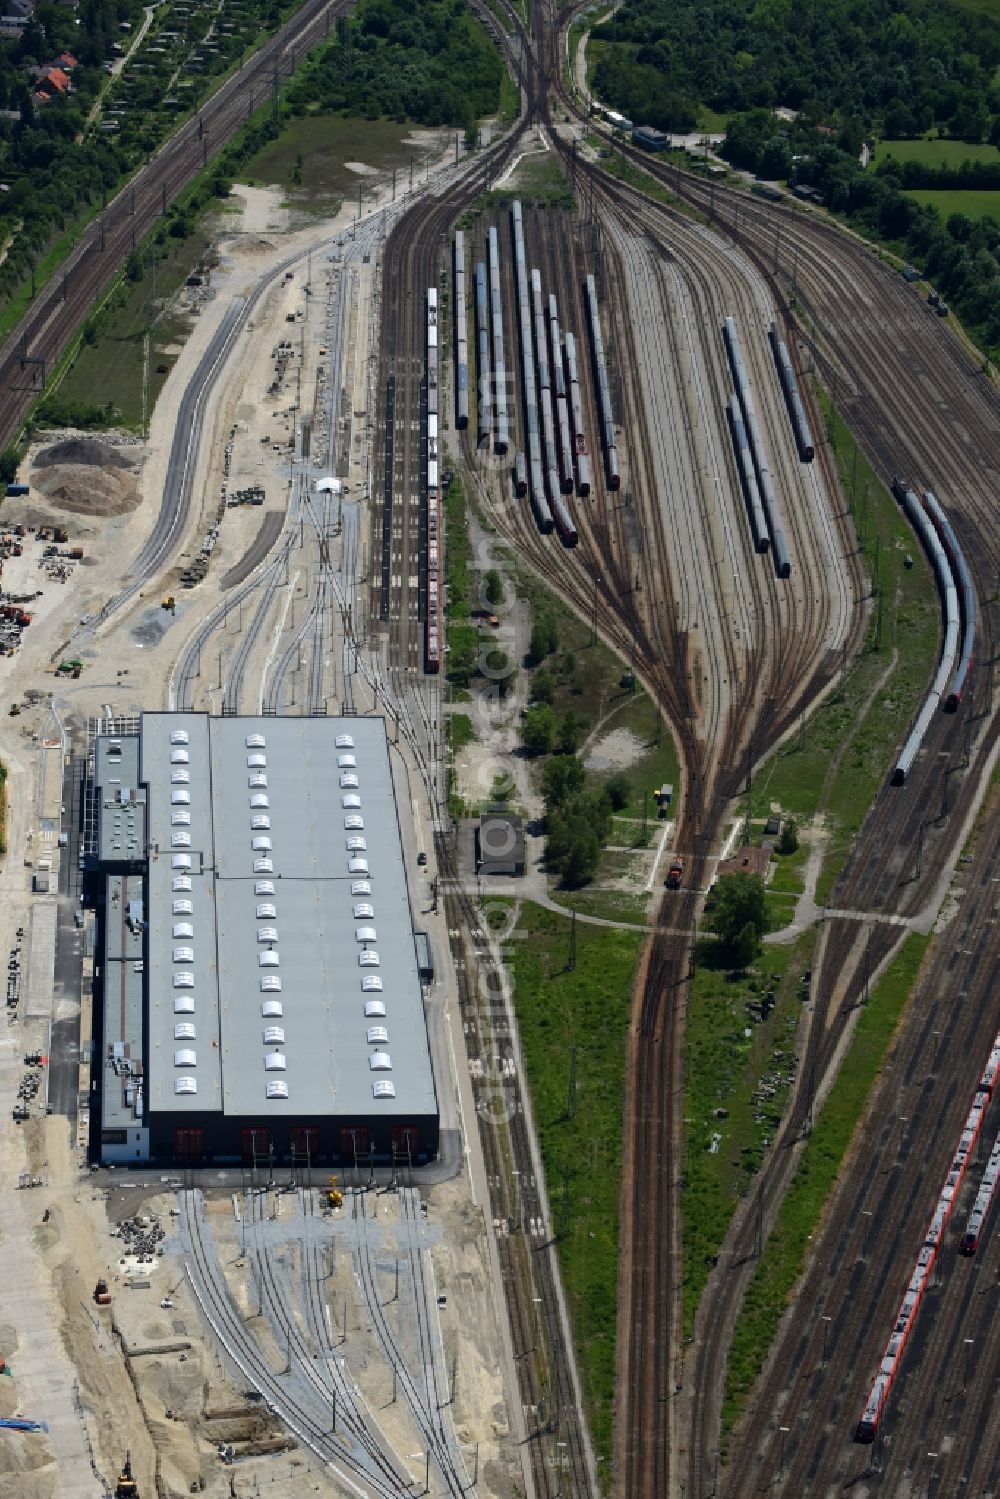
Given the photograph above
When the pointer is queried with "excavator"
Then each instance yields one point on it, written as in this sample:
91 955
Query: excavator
126 1487
334 1195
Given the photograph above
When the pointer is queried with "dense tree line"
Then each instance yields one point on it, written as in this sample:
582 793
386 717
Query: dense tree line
965 175
960 255
897 68
52 170
433 64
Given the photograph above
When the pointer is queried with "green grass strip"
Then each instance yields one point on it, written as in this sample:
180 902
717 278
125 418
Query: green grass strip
579 1017
784 1254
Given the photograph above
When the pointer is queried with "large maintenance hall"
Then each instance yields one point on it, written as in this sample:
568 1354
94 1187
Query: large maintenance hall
257 989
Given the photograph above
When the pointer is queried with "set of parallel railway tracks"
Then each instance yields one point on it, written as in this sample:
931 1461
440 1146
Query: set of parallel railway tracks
871 882
55 315
868 374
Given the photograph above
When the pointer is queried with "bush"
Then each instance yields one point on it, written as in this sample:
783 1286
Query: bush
538 730
562 778
739 916
544 638
788 839
543 689
618 791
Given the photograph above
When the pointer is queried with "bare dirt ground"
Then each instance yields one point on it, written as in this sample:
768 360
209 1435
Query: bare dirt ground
616 750
73 1365
85 476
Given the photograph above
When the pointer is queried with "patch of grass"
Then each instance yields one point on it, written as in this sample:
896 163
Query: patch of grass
500 15
657 764
728 1122
980 7
628 172
784 1254
586 675
711 121
789 871
538 181
114 363
974 203
460 730
458 553
510 100
907 616
609 905
307 160
580 1014
935 153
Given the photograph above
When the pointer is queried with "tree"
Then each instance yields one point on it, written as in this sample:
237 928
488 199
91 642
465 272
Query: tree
739 904
538 730
570 730
618 790
9 460
788 840
581 859
743 949
562 778
543 689
544 637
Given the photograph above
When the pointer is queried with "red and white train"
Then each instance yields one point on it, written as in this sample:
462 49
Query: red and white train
434 575
906 1317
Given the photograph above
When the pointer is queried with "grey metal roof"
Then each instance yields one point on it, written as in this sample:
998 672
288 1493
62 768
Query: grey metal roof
123 990
312 944
121 801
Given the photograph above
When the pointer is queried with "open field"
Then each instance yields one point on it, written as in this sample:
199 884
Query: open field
733 1052
575 1021
536 179
111 368
935 153
308 159
784 1254
975 203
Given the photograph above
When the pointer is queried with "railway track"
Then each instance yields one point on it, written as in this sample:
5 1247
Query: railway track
302 1399
52 320
862 885
427 1395
660 1017
876 1219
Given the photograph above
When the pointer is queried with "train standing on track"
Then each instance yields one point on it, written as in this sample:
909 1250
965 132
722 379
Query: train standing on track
536 481
461 337
612 471
432 499
793 398
580 451
562 402
744 462
946 675
982 1204
501 421
867 1427
484 428
966 600
564 522
765 486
